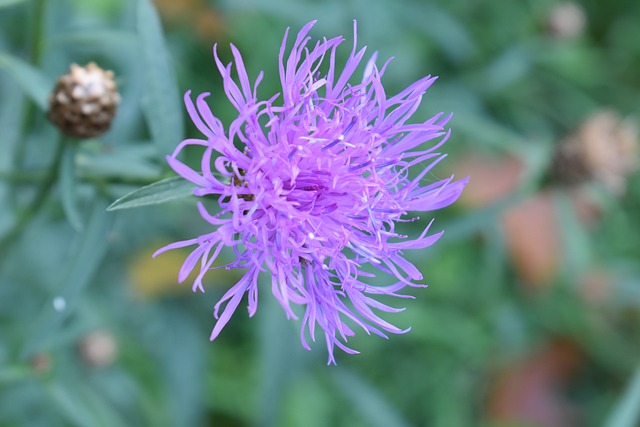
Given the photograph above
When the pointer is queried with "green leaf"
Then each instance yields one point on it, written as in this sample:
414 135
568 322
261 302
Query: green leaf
577 247
35 84
178 339
69 407
5 3
161 101
119 46
87 255
509 67
465 225
365 399
102 409
11 112
154 194
440 26
627 412
68 188
9 374
280 360
487 131
129 163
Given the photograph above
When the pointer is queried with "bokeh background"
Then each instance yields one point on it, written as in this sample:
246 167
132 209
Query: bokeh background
532 315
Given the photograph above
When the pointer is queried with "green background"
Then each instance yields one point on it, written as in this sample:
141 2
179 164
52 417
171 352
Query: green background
486 347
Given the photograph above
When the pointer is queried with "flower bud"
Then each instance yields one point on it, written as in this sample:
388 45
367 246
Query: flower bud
98 348
567 21
84 101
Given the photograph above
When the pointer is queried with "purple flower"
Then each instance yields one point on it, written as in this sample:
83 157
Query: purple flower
310 184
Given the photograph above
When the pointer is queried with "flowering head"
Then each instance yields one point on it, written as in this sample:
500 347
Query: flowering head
310 184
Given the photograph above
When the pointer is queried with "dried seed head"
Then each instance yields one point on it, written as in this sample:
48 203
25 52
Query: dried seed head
604 148
568 165
98 349
567 21
84 101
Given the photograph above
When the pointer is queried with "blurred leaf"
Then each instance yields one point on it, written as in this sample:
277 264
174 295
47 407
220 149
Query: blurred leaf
439 25
465 225
627 411
82 401
74 411
161 102
105 413
154 194
104 38
372 406
181 352
121 47
82 404
11 111
10 374
309 403
68 188
580 64
122 163
141 369
577 254
5 3
508 68
34 83
484 129
279 358
88 252
98 7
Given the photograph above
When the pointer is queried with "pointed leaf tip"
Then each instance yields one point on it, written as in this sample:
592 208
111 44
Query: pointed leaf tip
154 194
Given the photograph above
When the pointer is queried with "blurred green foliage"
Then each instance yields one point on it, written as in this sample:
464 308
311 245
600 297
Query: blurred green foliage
68 267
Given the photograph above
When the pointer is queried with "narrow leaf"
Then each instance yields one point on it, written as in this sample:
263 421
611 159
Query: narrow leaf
11 112
280 360
373 408
68 188
35 84
627 411
69 407
9 374
105 40
577 247
126 163
154 194
440 26
465 225
5 3
161 103
86 258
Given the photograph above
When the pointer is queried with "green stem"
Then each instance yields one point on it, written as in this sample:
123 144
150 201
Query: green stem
36 49
23 177
38 26
42 193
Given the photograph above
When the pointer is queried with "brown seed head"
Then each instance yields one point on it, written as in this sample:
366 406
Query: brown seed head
84 101
567 21
604 149
98 349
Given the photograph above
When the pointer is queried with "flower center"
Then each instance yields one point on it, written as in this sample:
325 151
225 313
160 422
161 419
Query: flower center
240 182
